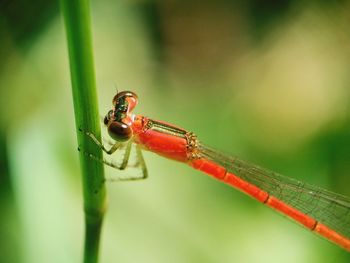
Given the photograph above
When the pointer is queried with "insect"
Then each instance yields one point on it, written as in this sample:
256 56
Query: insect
319 210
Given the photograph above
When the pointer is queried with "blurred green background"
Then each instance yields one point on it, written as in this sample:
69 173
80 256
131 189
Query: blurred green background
265 80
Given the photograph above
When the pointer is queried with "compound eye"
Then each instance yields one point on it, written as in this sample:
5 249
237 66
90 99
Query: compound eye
108 117
105 120
126 95
120 131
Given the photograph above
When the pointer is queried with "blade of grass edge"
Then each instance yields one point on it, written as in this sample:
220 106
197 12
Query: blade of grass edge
76 14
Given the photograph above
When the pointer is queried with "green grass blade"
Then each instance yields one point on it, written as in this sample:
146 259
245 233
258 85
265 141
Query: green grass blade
76 15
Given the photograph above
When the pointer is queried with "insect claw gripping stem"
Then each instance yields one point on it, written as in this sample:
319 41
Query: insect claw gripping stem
124 164
114 147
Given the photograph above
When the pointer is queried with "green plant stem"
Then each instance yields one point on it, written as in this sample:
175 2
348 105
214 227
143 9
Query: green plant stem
76 15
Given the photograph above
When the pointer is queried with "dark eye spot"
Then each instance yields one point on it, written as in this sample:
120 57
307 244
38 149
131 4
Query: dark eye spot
119 131
108 117
105 120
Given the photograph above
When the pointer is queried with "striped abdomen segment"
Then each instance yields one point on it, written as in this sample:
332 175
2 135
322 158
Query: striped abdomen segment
219 172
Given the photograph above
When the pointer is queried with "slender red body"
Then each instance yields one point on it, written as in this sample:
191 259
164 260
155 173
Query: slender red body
176 143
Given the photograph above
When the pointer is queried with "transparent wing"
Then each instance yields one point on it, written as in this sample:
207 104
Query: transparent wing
330 209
